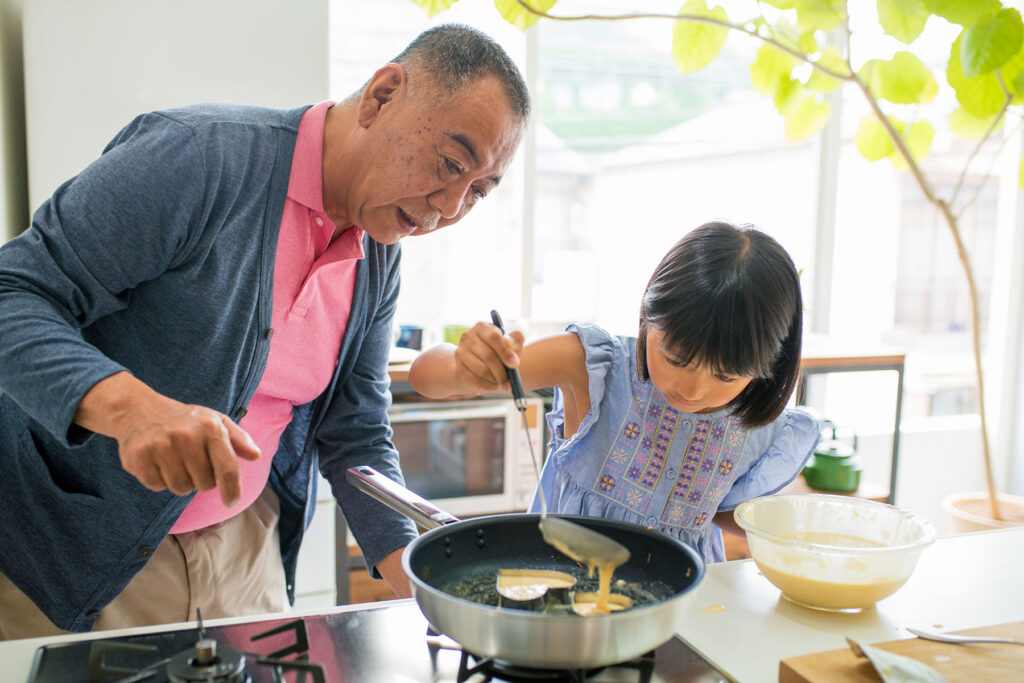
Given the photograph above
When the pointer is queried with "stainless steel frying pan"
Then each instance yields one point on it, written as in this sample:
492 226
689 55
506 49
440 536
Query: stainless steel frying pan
456 550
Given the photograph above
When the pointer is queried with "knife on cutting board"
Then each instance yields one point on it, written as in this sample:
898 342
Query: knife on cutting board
977 662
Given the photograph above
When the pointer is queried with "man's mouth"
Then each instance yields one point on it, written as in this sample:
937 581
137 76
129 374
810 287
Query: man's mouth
407 222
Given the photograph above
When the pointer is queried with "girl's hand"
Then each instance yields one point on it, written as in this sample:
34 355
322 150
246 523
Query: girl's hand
482 356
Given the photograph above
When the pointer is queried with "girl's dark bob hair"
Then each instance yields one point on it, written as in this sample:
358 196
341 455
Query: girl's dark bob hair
728 299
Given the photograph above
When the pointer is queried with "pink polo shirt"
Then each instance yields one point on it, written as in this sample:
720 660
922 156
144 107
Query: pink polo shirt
314 279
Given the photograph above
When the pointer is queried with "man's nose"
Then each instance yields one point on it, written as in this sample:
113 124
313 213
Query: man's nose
449 200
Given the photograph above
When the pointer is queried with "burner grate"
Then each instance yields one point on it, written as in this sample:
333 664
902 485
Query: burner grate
491 669
497 670
179 657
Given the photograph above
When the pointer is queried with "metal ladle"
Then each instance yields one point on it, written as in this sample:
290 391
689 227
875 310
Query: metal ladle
578 542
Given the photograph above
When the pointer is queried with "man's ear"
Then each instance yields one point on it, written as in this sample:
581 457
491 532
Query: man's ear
387 84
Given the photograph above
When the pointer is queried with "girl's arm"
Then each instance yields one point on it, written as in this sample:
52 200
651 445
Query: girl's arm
477 365
727 523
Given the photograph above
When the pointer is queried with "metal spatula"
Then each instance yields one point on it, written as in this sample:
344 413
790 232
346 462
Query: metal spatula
574 540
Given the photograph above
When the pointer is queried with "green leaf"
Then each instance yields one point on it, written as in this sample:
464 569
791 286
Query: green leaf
904 79
918 139
966 125
514 13
779 4
902 19
694 43
1020 174
990 44
981 95
432 7
789 35
771 67
820 15
832 60
963 12
872 139
788 96
807 118
808 42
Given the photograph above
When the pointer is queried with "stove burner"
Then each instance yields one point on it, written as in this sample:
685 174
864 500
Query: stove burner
492 669
498 670
205 663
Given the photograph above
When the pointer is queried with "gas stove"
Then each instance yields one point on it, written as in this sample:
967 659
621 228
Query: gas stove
392 642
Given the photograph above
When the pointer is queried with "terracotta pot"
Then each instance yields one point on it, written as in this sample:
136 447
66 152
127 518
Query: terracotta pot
972 511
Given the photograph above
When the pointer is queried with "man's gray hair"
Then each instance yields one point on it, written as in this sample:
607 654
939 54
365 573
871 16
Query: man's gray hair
456 55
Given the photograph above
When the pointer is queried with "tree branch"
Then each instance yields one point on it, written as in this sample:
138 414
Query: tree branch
988 133
696 18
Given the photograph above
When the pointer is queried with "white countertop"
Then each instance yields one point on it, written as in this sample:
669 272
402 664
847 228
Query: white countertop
961 582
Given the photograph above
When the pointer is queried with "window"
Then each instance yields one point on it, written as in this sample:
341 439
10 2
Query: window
627 155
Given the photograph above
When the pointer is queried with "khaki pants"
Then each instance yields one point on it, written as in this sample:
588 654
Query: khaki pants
232 568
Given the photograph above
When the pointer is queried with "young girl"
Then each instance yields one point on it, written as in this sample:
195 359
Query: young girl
674 428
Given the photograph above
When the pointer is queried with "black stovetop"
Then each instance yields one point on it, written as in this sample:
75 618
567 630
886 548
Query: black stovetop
388 643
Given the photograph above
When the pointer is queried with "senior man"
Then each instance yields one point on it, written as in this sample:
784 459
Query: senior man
201 318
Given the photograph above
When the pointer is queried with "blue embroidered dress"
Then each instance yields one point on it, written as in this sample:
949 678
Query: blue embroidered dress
638 459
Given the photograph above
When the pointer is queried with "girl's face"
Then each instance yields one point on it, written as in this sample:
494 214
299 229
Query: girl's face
689 388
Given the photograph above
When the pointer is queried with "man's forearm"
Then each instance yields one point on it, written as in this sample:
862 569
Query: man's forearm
390 568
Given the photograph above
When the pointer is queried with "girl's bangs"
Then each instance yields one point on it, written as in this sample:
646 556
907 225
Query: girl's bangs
724 343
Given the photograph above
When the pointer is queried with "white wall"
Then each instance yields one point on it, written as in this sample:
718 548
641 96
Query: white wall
938 456
90 67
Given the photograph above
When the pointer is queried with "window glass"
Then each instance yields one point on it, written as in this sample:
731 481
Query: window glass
627 155
897 283
631 155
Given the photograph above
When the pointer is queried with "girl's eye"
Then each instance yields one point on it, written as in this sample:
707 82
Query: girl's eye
675 362
724 378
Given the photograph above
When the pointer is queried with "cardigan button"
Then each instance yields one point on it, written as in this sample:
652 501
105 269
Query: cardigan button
242 412
270 333
145 551
93 615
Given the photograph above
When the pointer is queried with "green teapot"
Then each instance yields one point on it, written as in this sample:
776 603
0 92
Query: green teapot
835 466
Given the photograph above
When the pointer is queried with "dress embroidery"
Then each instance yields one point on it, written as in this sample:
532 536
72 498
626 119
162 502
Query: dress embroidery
639 459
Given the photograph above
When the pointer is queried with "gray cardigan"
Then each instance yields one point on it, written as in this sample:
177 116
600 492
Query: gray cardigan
158 259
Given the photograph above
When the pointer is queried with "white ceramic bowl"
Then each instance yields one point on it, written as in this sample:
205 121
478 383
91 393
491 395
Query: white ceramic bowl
835 553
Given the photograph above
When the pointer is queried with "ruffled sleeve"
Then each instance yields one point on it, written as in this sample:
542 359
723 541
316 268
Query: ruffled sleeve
601 350
781 462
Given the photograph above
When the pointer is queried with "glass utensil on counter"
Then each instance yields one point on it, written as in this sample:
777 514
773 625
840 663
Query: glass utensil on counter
958 639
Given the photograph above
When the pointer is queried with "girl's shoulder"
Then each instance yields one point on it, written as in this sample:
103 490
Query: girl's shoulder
602 344
801 419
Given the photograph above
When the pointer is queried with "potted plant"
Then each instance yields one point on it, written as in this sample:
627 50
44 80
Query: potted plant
985 71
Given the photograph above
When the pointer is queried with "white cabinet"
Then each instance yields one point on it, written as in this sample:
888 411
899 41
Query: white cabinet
315 578
90 67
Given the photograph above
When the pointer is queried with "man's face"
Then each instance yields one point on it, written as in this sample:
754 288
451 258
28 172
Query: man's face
425 162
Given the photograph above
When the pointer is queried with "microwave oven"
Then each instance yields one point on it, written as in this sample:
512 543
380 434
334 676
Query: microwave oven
470 457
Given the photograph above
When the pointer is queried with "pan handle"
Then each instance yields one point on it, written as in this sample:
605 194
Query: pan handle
398 498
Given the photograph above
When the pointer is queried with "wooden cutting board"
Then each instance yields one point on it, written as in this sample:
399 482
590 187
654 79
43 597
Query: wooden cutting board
975 662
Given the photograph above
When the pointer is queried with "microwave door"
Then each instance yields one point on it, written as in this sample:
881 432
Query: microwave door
464 458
